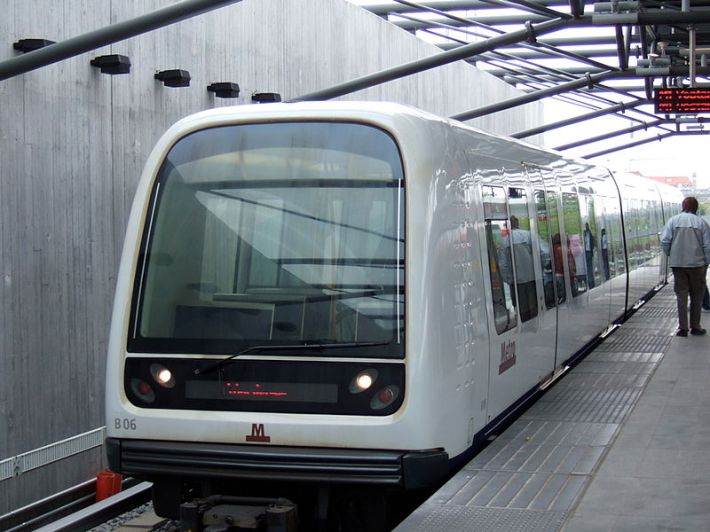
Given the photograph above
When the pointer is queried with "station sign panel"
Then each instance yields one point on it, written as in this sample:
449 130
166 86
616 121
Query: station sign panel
682 100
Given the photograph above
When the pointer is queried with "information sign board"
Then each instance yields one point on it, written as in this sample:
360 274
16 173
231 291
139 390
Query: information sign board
683 100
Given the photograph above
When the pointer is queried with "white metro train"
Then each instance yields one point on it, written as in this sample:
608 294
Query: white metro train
346 294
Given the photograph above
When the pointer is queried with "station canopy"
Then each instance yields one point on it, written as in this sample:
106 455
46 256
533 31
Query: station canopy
621 57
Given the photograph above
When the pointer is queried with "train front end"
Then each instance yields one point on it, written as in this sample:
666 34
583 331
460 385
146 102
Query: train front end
258 334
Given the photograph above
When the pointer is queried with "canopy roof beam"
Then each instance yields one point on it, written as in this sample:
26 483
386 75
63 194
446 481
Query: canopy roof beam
437 60
577 119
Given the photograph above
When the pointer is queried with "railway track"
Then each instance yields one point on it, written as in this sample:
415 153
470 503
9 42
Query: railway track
75 510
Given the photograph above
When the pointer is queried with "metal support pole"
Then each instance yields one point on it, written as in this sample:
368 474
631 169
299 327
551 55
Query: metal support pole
580 118
107 35
647 81
576 7
613 134
621 48
692 59
630 145
444 58
539 95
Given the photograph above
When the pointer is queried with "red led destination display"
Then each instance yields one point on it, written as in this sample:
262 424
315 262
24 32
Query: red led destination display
265 391
689 101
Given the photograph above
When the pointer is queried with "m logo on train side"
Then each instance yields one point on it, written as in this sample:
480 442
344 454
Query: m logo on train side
507 356
258 434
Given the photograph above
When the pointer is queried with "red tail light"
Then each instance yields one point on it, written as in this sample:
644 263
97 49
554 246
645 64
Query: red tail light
384 397
143 390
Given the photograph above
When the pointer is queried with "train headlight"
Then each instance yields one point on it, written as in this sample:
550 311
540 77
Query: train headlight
363 380
384 397
162 375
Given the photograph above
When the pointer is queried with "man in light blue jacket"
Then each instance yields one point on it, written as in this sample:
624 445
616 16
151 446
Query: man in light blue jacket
686 241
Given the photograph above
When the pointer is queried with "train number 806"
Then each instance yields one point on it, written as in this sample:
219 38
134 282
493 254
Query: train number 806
124 423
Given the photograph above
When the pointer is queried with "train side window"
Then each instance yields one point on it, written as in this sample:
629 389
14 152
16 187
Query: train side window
590 241
553 214
544 240
617 260
605 261
520 240
577 269
499 258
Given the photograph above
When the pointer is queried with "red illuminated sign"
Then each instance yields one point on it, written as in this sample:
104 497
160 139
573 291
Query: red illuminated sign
689 101
238 390
252 389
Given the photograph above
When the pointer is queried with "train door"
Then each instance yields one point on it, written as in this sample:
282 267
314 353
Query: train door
502 305
520 356
594 231
604 259
563 265
547 226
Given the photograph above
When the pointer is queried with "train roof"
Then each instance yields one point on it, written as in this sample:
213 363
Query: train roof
402 120
396 117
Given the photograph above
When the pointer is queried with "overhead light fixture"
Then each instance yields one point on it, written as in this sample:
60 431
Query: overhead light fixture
112 64
265 97
29 45
174 78
224 89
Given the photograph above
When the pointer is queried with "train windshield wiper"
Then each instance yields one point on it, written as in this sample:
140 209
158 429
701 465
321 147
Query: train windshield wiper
256 348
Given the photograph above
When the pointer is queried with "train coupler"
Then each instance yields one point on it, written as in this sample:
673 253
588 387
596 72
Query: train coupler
219 513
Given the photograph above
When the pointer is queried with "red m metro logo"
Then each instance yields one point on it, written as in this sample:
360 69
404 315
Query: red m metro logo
258 434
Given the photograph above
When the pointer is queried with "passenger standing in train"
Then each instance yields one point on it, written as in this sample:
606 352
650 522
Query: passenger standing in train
559 268
589 245
520 241
575 246
686 241
605 254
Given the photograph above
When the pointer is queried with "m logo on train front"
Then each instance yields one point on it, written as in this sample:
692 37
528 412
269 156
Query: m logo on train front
258 434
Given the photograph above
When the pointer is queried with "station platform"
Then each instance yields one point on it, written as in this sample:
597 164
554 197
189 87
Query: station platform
621 443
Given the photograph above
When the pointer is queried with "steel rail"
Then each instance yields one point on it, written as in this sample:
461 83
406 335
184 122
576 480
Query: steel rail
102 511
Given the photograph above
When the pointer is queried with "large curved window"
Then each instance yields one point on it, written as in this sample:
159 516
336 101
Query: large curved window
275 234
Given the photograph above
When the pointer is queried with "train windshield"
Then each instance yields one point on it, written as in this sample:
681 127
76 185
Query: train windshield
275 234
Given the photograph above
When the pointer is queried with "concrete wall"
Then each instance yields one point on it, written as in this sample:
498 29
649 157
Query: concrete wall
72 145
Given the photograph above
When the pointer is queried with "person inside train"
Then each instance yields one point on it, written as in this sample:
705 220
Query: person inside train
589 246
548 278
576 248
605 253
559 268
686 241
520 241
